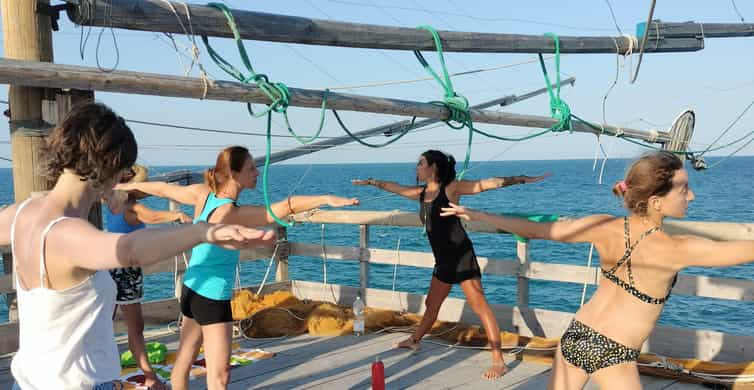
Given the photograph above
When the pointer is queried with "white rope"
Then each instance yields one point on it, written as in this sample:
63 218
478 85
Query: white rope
395 274
194 49
586 282
269 267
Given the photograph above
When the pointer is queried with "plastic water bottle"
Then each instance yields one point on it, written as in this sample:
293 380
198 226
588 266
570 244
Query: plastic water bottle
358 312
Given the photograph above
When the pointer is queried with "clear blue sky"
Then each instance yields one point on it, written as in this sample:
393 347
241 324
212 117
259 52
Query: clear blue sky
717 81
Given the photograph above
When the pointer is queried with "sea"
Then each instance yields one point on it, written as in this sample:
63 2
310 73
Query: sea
724 193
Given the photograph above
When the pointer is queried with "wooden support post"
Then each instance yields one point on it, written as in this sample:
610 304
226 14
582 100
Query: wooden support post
180 267
522 252
157 16
71 76
363 260
27 36
281 272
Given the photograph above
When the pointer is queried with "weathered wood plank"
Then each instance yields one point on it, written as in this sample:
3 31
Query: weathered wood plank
666 341
39 74
154 15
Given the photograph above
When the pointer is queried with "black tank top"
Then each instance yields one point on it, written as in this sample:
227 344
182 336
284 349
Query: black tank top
446 235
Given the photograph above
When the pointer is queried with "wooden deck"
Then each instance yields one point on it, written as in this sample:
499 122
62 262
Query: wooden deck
307 362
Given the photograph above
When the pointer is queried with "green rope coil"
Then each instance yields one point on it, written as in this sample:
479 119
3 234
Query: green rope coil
457 105
558 108
278 93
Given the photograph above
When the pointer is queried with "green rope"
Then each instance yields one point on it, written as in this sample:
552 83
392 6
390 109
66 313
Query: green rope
278 94
558 108
457 104
400 135
265 193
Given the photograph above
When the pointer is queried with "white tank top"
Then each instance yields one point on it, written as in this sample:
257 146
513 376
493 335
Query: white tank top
65 336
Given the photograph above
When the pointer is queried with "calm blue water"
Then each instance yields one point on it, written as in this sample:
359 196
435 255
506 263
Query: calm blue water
723 194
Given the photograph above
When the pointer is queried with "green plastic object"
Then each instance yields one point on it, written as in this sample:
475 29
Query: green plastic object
156 353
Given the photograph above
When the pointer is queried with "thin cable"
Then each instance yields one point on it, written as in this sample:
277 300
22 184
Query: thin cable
612 14
208 130
109 12
735 8
473 17
728 128
463 73
644 40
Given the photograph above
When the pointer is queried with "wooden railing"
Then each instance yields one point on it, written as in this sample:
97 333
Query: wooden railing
522 267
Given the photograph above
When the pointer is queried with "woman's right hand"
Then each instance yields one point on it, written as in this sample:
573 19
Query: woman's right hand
339 201
237 236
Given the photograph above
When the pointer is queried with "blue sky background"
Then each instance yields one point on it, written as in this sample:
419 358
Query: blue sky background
717 81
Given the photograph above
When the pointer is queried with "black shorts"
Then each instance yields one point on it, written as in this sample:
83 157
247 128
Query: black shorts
203 310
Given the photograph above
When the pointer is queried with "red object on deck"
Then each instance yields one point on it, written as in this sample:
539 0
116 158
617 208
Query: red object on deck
378 375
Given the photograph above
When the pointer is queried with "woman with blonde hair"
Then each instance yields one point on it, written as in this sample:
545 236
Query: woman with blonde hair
639 264
124 214
65 297
209 278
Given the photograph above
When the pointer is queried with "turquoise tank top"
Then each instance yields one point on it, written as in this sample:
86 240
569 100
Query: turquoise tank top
116 223
212 269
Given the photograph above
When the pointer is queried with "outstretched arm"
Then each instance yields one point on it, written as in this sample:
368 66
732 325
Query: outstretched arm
151 217
6 219
698 251
86 247
182 194
410 192
585 229
470 187
258 216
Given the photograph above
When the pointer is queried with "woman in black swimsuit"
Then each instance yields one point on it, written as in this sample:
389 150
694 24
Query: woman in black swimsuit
455 261
639 265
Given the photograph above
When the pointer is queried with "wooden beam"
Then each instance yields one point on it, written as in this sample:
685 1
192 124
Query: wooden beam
387 130
672 30
80 77
157 16
391 129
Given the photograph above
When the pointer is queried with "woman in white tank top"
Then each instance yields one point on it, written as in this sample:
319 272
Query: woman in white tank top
65 298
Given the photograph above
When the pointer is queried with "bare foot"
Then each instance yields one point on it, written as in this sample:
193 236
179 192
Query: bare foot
497 370
409 343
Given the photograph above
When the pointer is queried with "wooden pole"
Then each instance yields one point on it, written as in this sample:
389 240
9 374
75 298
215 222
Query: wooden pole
157 16
80 77
363 260
522 253
27 35
281 272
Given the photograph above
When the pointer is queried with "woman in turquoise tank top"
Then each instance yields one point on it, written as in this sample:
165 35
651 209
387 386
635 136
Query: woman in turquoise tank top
208 282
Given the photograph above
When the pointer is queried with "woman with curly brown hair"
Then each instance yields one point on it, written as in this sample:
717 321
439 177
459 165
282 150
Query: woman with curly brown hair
65 297
639 264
